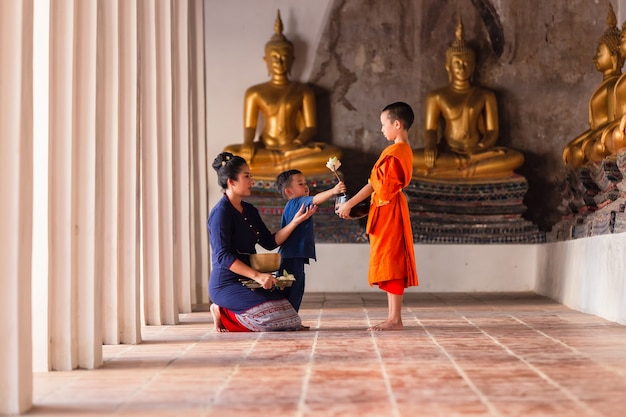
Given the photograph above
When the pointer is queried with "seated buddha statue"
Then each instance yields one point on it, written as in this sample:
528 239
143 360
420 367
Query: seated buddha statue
289 119
612 137
602 105
468 117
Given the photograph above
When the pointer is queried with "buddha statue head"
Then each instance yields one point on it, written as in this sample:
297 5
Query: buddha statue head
460 58
279 51
608 58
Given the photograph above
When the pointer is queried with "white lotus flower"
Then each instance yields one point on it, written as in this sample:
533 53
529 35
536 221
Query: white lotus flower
333 164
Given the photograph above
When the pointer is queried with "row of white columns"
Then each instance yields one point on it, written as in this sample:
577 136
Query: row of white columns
102 179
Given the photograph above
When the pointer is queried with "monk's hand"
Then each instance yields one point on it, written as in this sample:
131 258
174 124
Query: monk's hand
429 157
343 210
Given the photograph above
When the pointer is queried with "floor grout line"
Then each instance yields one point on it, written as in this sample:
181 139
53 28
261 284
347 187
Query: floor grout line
307 378
154 376
481 396
611 369
231 375
392 397
538 371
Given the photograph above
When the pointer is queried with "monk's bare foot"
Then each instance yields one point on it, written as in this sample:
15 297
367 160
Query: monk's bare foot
217 319
303 327
387 325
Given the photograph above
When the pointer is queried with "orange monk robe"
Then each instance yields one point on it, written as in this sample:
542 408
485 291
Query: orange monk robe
388 222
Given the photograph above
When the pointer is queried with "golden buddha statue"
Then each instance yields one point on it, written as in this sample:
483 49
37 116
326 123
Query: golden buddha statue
602 105
612 137
289 117
467 147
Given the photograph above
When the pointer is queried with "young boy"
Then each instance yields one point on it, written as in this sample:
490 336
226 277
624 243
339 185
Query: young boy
392 260
300 246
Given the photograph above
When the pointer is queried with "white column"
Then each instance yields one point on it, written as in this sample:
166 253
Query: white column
88 307
128 165
149 165
106 167
200 243
181 168
63 356
41 109
163 30
16 188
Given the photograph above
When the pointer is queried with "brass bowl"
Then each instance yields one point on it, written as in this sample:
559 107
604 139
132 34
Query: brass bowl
265 262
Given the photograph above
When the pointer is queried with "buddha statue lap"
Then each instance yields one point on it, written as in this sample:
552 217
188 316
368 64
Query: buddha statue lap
606 102
466 150
289 119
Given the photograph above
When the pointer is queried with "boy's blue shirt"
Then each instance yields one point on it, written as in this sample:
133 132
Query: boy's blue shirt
301 242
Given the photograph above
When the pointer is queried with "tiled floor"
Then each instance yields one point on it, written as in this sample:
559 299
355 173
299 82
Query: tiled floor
459 355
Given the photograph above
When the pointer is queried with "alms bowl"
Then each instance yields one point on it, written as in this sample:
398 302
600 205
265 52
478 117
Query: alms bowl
265 262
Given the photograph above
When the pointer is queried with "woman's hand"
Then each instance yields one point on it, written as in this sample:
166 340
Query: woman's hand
267 280
303 214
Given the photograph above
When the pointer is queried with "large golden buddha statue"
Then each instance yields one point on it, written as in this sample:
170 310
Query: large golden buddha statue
602 105
470 130
612 137
289 119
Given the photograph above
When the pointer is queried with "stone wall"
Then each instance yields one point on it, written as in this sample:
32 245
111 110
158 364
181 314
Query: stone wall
536 56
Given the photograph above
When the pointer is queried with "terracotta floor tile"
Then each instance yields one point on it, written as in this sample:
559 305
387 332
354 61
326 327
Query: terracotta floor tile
460 354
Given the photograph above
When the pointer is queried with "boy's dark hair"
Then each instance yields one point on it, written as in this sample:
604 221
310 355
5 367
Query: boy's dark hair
227 166
400 111
283 180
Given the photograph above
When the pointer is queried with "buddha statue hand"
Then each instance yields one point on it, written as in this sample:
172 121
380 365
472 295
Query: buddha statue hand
295 151
463 162
247 151
429 157
616 140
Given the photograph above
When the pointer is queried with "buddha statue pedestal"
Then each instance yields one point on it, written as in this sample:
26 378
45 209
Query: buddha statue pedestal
328 227
593 200
475 211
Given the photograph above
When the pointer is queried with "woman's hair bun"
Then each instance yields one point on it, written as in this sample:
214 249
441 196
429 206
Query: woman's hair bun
221 160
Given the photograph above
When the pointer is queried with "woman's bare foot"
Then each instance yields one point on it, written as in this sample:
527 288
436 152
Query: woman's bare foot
217 319
387 325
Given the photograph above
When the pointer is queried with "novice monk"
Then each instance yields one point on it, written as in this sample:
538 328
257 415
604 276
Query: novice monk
392 261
